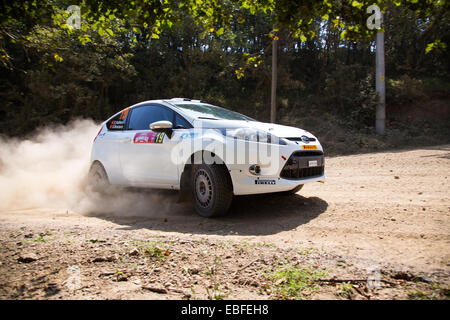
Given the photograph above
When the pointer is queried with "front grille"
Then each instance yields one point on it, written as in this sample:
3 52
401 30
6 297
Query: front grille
297 166
307 153
301 173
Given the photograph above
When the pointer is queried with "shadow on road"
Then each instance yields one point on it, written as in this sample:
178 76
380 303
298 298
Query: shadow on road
249 215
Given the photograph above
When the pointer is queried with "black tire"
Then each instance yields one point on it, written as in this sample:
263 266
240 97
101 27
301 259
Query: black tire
98 179
211 190
293 191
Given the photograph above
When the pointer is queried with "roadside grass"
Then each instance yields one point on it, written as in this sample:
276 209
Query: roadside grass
214 290
267 244
344 290
435 291
43 237
154 249
293 282
244 245
443 290
420 295
306 252
15 234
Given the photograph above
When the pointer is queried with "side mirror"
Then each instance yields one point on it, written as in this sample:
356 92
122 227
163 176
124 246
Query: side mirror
162 126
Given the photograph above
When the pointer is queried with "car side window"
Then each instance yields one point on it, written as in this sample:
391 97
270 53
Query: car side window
142 117
119 121
181 123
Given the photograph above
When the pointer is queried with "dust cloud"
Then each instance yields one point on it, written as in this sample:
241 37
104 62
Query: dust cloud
49 170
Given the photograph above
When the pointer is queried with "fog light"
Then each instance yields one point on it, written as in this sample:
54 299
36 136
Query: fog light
254 169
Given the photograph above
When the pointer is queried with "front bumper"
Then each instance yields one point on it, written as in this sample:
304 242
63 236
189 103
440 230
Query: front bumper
284 171
243 184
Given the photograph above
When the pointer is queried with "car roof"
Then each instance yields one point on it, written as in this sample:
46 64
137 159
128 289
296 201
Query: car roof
171 101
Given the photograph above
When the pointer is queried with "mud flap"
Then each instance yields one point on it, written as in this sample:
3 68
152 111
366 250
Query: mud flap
185 193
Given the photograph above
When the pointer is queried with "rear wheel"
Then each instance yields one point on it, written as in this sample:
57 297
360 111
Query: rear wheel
98 179
211 188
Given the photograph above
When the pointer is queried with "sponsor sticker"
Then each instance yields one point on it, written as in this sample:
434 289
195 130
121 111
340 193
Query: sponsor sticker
309 147
265 182
117 124
188 135
149 137
124 113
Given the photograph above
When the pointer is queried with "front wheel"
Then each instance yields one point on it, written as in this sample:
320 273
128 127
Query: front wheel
212 191
293 191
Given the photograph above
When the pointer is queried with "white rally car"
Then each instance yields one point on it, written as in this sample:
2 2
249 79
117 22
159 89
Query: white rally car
205 151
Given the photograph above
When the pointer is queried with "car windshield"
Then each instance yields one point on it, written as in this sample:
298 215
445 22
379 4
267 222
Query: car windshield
207 111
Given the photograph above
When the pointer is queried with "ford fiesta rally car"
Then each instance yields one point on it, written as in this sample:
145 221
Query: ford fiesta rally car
206 152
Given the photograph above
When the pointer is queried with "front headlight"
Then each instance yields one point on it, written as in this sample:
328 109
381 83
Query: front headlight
253 135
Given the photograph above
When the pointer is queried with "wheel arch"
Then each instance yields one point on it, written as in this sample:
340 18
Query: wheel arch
98 163
186 174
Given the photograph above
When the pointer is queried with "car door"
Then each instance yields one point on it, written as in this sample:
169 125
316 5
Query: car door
107 145
145 156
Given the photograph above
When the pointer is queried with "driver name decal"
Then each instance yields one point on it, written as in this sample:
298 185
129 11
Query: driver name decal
149 137
117 124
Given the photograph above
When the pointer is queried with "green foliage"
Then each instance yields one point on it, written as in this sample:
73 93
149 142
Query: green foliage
345 290
437 44
404 89
126 52
350 89
60 78
152 249
420 295
291 282
42 237
154 252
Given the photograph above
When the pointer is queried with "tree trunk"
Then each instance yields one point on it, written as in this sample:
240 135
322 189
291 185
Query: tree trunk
273 100
380 85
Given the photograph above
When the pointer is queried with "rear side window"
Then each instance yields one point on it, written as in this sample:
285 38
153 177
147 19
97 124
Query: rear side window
119 121
142 117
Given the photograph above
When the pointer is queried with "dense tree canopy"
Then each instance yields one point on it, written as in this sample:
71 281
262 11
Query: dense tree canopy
129 51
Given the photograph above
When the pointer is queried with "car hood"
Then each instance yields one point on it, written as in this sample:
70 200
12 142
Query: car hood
275 129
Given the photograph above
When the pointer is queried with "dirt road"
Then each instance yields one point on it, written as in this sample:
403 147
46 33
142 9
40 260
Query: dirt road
380 216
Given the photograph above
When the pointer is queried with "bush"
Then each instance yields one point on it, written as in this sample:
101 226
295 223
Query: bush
350 90
404 90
